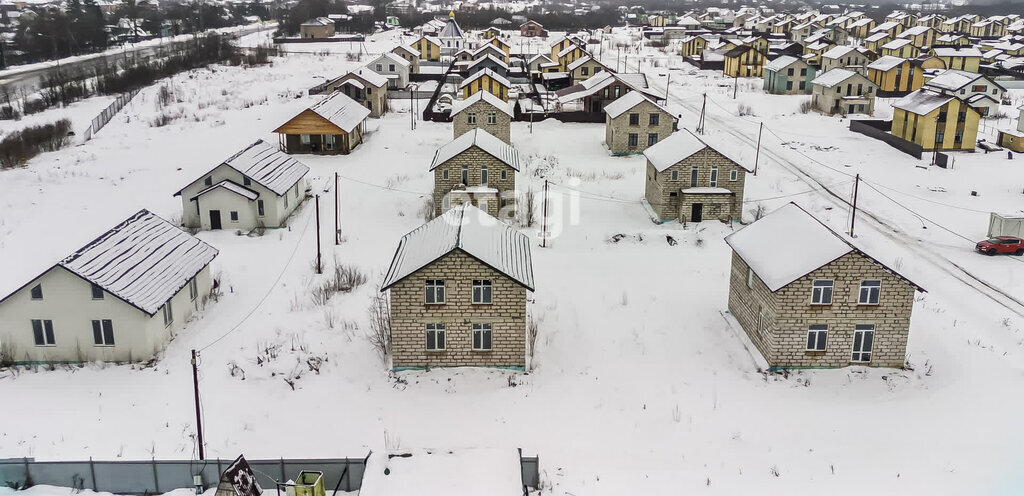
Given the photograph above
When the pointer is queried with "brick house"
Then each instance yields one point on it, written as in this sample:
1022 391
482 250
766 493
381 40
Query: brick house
633 123
485 111
476 168
690 181
809 298
458 288
531 29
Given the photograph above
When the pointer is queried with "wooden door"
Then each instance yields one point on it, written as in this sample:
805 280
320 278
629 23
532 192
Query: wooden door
215 219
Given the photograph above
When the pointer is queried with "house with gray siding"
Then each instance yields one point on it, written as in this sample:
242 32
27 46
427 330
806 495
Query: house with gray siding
806 297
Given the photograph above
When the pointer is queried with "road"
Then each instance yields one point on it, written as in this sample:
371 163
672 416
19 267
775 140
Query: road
29 78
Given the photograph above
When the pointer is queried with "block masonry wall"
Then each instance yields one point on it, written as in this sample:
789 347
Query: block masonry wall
660 187
410 315
500 129
474 159
617 130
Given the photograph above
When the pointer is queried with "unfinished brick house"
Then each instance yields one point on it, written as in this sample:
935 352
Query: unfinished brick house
485 111
476 168
633 123
689 181
458 293
806 297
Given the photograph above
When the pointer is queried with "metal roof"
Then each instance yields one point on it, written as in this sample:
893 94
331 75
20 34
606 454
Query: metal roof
482 140
341 111
268 166
231 186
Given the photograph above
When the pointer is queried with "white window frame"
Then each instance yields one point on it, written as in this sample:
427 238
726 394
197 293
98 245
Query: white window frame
492 118
434 292
675 175
869 291
444 174
260 209
734 175
750 277
168 313
714 176
193 289
817 337
438 329
483 292
46 332
106 330
862 356
818 296
481 330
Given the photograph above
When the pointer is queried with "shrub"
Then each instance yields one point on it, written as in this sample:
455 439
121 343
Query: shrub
7 352
380 325
20 146
806 106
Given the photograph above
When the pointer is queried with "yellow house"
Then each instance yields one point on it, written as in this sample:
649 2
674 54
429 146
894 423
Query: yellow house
935 122
874 41
987 29
758 43
862 27
560 45
901 47
583 68
693 46
815 50
498 42
921 36
568 56
952 39
962 58
933 21
744 61
429 48
1012 139
895 75
486 80
890 28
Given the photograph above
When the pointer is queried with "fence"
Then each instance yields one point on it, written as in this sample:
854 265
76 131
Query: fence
879 130
108 113
159 476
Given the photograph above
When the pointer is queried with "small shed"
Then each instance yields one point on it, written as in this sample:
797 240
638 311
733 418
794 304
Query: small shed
1006 224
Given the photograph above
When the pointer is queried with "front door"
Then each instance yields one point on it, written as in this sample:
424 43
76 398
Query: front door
697 212
214 219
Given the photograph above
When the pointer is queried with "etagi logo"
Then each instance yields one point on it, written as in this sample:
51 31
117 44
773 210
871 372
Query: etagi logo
551 209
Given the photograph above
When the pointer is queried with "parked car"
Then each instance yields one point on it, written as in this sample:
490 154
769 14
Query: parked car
1001 244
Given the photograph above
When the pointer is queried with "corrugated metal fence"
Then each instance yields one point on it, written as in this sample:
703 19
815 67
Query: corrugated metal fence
108 113
160 476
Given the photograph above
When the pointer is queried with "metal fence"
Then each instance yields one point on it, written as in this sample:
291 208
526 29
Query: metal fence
108 113
879 129
159 476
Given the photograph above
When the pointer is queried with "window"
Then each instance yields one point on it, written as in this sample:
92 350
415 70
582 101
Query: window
959 136
483 175
750 277
939 136
734 175
444 174
675 175
693 177
43 331
246 181
652 139
259 208
803 85
504 174
863 341
762 323
817 337
655 119
492 118
481 291
168 313
789 85
391 67
584 71
714 177
435 291
37 292
234 216
103 332
789 72
634 139
285 200
942 117
869 292
97 292
803 72
821 292
471 118
435 337
634 119
304 139
961 117
465 175
193 289
481 337
208 181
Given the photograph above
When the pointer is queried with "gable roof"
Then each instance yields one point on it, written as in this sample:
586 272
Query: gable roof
494 60
956 52
678 147
482 140
231 186
472 231
834 77
788 244
143 261
493 75
954 79
837 52
780 63
363 74
268 166
922 102
407 48
628 102
896 44
391 57
886 63
341 111
486 96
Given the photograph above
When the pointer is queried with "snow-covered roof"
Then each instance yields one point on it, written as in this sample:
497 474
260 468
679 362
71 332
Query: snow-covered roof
885 26
144 261
341 111
957 52
407 48
833 77
896 44
363 74
877 37
268 166
391 57
886 63
482 140
493 75
922 102
952 79
578 62
470 472
231 186
837 52
494 60
680 146
627 102
451 30
488 97
471 230
780 63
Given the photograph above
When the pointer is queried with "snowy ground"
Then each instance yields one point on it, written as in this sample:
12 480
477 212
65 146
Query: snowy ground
640 384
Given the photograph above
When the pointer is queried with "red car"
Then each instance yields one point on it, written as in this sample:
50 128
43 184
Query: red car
1001 244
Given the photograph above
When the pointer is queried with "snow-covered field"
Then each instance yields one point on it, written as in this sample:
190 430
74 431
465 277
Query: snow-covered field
640 385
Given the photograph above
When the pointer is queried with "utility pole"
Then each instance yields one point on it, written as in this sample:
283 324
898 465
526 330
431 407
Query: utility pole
199 414
757 155
319 267
412 107
337 221
703 108
735 85
668 82
544 218
853 218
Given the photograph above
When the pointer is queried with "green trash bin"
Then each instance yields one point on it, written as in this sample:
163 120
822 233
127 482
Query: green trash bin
310 483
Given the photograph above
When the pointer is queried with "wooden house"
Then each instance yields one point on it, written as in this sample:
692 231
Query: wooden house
332 126
693 46
486 80
531 29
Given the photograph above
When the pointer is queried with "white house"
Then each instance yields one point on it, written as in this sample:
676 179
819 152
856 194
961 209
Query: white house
978 91
122 297
259 186
393 67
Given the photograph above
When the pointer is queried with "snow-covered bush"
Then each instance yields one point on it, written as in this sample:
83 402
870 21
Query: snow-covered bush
380 325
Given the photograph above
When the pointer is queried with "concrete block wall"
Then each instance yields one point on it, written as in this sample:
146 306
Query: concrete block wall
474 159
500 129
660 186
617 130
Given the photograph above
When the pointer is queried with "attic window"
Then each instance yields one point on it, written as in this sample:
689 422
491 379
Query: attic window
97 292
37 292
208 181
246 181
